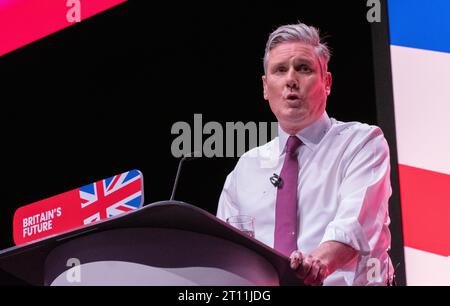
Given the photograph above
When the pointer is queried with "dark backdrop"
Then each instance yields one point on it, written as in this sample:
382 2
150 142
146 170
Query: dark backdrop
100 97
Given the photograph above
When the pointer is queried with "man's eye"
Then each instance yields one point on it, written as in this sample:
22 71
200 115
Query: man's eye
304 68
280 69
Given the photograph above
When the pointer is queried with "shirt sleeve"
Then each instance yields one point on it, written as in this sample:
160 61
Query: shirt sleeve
227 204
362 217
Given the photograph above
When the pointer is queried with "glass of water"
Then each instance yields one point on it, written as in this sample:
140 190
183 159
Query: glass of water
244 223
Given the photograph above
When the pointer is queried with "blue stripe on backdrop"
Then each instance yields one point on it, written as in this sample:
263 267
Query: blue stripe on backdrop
422 24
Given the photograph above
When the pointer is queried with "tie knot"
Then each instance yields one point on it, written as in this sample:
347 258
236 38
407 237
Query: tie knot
292 144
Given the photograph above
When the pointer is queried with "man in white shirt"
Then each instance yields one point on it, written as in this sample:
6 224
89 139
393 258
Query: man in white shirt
319 191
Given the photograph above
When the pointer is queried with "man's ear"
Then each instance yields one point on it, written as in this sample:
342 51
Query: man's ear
328 82
264 80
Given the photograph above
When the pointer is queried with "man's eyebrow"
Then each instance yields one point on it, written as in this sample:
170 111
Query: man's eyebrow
309 61
276 64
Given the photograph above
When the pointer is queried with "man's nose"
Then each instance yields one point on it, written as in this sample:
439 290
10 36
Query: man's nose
292 81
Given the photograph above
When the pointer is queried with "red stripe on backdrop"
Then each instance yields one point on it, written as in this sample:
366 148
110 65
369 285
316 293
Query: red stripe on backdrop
425 198
25 21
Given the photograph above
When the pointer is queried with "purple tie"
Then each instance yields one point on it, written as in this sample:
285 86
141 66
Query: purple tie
286 206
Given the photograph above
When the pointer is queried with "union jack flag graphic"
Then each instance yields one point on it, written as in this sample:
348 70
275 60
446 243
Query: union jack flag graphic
80 206
112 196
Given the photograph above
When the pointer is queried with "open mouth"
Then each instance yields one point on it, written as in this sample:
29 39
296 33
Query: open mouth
293 97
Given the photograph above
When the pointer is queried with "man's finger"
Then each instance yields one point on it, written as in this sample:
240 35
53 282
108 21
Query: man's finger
321 275
294 264
310 278
296 259
296 254
305 267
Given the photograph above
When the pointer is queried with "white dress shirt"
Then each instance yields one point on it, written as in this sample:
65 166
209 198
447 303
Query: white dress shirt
343 192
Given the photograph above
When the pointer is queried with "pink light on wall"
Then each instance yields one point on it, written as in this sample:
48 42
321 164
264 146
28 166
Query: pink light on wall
25 21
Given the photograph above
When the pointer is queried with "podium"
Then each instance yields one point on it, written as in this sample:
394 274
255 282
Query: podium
168 243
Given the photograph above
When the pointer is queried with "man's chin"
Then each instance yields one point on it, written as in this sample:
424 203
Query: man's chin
297 116
294 125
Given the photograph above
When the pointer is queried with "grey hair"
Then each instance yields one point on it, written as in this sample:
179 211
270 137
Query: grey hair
302 33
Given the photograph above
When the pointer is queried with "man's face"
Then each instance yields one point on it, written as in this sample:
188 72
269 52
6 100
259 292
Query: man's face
295 86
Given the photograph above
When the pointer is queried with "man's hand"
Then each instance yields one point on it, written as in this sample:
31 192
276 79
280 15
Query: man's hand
309 268
314 268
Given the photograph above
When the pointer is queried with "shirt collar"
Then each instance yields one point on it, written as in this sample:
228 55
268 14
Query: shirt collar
310 136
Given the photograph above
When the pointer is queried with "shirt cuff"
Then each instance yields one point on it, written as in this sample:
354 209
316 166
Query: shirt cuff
350 234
